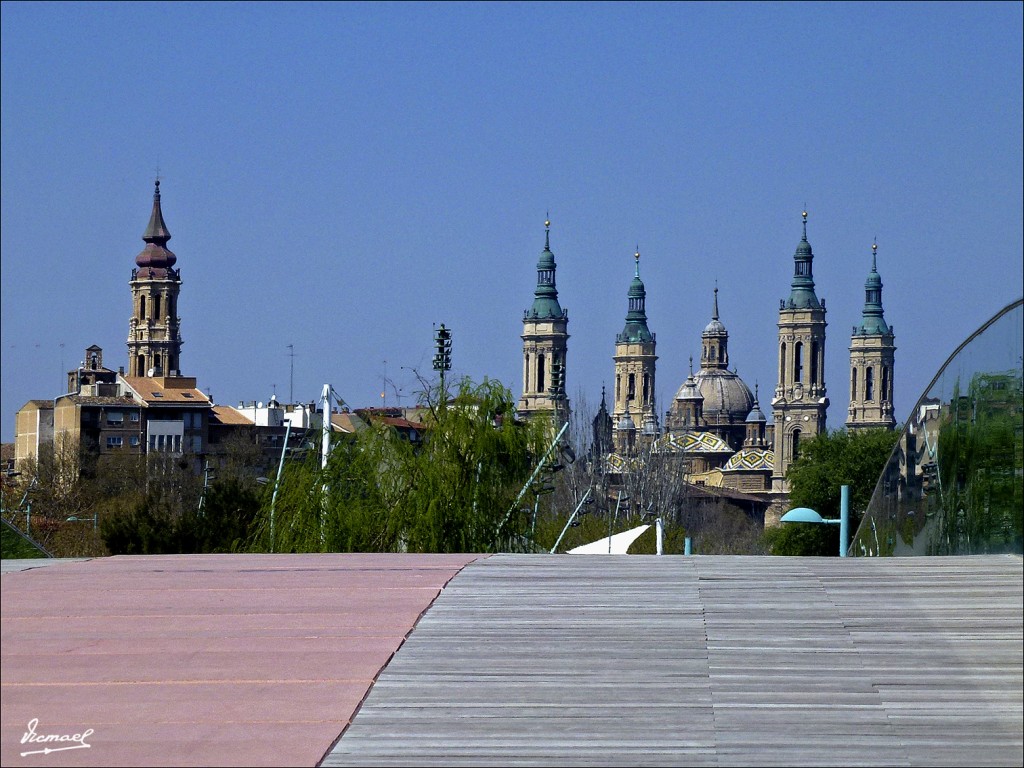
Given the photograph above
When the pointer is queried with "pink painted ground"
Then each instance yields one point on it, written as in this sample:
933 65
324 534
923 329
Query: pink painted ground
202 660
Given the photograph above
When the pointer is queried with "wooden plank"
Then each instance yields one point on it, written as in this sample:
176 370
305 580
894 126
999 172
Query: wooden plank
528 660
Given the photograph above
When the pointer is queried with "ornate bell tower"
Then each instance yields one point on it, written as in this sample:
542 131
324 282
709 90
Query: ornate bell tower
154 338
545 338
634 368
872 356
800 401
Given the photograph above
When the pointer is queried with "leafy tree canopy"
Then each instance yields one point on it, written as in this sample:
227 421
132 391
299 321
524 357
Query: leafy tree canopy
826 463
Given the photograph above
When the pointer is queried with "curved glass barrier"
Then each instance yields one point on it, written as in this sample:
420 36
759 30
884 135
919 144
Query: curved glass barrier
954 484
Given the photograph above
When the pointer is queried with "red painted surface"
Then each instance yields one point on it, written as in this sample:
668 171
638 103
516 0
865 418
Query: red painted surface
202 660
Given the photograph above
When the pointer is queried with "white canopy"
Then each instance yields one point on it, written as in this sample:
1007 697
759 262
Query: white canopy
619 543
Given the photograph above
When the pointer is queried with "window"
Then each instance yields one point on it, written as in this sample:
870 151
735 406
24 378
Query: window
142 307
884 394
156 307
631 387
115 417
158 394
796 444
540 373
187 395
133 441
798 362
869 384
853 384
814 362
134 416
114 441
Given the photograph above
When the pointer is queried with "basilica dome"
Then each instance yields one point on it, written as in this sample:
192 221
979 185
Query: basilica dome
727 399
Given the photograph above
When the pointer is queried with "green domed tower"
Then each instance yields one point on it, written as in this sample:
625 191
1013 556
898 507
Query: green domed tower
872 359
545 340
634 365
800 403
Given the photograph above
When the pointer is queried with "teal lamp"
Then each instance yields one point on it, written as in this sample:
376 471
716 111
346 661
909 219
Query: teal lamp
808 515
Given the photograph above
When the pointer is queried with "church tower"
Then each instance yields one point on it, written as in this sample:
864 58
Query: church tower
872 355
154 339
800 401
634 369
545 340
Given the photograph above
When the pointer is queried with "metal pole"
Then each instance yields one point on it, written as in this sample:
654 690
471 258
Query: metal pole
844 520
529 482
618 498
571 518
277 482
325 452
686 546
660 533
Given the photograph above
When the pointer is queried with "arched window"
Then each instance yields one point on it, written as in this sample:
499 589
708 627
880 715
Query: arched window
647 388
853 384
142 307
618 387
796 444
156 307
869 384
540 373
631 387
885 394
156 365
798 362
782 363
140 365
814 362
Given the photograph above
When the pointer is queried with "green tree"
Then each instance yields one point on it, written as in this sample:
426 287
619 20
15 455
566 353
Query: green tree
381 493
826 463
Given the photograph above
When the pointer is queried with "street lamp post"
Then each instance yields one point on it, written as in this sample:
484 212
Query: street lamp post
572 517
807 515
76 519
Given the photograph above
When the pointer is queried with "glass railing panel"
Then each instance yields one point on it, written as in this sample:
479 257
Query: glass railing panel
954 484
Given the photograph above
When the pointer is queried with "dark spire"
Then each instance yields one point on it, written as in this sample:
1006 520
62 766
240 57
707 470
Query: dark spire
156 256
545 297
714 340
873 320
156 231
636 329
802 294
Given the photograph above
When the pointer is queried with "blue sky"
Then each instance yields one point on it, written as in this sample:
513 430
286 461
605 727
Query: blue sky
341 177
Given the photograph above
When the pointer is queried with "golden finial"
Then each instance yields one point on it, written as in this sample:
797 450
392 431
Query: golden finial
874 246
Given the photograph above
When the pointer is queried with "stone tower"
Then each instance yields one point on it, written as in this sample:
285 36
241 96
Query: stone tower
154 338
800 401
634 369
545 339
872 356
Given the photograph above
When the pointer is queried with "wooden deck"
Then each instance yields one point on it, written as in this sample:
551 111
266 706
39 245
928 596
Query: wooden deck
598 660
